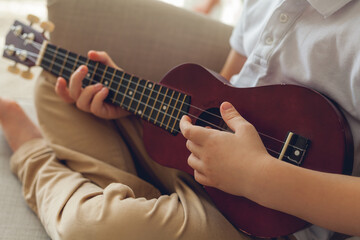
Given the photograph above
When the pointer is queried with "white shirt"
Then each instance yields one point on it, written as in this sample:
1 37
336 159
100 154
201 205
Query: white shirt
314 43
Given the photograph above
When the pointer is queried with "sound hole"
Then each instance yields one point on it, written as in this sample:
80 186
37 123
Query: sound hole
212 118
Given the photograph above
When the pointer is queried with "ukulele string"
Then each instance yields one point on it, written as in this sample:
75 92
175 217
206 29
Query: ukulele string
161 94
190 105
186 104
153 107
185 113
150 118
170 116
38 46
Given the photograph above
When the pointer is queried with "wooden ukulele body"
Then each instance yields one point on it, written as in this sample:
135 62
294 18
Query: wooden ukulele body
274 111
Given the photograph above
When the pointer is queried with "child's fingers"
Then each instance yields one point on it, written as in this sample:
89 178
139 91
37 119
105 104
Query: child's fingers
76 79
97 105
102 57
201 178
86 97
62 90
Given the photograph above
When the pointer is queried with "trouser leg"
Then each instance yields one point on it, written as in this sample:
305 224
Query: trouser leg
82 193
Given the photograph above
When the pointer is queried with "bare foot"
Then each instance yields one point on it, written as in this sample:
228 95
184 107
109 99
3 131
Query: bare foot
17 127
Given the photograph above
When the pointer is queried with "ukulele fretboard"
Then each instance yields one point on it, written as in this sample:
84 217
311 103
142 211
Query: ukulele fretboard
150 101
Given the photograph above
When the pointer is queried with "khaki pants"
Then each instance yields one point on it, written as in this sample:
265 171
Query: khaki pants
91 178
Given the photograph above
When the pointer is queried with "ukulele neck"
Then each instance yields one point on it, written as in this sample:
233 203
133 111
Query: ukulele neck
150 101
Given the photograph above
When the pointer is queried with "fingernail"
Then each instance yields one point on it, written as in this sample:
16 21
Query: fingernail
183 118
98 86
57 82
82 69
226 106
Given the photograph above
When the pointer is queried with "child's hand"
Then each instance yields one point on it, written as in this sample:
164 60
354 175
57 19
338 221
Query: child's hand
91 98
228 161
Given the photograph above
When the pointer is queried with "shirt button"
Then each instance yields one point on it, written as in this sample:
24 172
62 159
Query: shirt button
269 40
283 18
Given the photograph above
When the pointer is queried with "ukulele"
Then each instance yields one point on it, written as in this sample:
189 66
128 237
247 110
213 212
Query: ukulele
296 124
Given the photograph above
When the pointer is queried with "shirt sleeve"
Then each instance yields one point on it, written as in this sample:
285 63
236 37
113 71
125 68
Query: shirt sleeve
237 36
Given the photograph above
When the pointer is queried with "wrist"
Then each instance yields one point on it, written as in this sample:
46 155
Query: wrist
260 185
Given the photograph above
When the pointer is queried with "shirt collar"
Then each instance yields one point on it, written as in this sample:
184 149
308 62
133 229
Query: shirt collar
328 7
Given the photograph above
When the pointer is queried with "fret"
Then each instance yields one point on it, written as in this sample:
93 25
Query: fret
132 92
81 60
96 75
58 62
172 119
178 116
98 78
162 106
93 73
53 60
138 96
63 64
148 92
76 61
142 98
107 75
91 65
70 65
153 101
166 115
86 81
117 89
45 63
103 75
87 61
110 76
124 101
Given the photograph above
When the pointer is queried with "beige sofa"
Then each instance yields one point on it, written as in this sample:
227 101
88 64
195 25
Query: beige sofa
145 37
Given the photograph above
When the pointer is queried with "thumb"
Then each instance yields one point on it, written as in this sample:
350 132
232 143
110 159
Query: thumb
231 117
102 57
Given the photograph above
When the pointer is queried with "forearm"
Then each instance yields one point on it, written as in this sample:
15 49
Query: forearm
327 200
233 64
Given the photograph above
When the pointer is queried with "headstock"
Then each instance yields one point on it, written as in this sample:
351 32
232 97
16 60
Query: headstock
23 44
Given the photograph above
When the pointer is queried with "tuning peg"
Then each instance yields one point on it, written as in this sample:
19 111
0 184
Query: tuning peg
17 30
22 55
28 37
47 26
27 74
9 50
13 69
32 19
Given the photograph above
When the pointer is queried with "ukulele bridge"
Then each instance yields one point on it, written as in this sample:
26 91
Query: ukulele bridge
294 149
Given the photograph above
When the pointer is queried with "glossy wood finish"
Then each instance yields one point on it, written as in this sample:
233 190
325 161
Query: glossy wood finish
274 110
